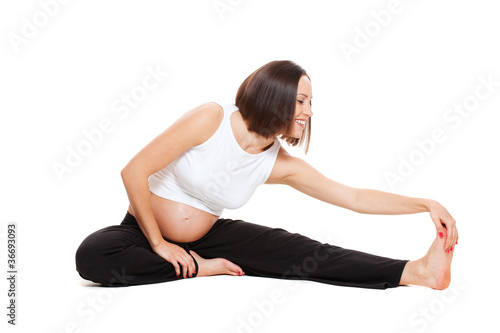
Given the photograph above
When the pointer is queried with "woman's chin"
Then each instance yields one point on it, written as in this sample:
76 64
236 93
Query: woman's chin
297 134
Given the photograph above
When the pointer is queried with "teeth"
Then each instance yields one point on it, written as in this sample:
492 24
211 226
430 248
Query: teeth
302 122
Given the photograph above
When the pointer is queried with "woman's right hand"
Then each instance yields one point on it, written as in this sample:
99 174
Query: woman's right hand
178 257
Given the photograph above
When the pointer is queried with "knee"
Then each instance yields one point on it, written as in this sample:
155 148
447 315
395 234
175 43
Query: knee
89 257
83 258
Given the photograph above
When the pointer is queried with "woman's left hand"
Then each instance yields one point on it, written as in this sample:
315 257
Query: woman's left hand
446 225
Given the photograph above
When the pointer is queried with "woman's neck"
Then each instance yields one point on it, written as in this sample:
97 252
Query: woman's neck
250 142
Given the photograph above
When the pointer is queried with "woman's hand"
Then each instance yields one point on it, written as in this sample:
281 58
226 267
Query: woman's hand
445 225
178 257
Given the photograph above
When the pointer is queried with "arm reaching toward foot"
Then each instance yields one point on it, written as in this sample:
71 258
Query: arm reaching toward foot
300 175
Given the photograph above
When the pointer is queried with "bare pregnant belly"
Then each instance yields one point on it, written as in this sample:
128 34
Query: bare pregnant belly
180 222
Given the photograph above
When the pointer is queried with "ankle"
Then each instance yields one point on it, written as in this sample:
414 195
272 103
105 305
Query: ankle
412 273
432 276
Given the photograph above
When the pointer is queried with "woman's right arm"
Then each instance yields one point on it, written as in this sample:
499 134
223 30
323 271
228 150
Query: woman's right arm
193 128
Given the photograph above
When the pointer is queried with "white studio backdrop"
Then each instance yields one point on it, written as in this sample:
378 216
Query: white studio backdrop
406 99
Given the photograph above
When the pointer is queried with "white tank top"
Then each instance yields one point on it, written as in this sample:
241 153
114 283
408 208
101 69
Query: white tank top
216 174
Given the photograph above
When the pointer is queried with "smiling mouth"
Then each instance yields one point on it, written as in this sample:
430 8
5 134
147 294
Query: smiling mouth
302 123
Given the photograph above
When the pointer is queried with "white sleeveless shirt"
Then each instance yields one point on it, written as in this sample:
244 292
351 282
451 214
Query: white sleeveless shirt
216 174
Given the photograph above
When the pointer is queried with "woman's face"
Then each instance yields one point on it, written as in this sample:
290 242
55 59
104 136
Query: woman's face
303 107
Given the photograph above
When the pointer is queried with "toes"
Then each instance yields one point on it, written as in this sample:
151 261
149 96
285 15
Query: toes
232 268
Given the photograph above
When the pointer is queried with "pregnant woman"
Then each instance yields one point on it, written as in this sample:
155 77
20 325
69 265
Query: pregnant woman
214 157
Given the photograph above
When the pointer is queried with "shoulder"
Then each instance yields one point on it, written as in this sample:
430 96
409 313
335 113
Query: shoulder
192 128
209 113
203 120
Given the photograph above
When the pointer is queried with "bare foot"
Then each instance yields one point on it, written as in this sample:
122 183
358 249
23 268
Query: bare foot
433 270
217 266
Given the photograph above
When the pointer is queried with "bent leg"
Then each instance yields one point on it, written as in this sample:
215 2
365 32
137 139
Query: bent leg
120 255
274 252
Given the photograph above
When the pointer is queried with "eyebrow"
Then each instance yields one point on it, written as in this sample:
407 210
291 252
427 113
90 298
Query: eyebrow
304 95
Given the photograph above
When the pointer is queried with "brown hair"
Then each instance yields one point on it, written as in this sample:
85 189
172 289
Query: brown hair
267 99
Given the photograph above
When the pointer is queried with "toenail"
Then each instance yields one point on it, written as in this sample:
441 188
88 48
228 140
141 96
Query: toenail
441 235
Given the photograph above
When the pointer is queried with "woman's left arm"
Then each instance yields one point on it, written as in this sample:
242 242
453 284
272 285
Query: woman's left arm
298 174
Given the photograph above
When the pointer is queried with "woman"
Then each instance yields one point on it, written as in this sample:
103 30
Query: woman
213 157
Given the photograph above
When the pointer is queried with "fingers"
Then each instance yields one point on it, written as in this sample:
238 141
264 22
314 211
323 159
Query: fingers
177 268
188 265
181 260
454 235
443 233
184 264
453 239
449 240
445 226
450 233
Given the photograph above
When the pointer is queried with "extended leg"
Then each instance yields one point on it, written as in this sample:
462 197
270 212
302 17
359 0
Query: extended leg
268 252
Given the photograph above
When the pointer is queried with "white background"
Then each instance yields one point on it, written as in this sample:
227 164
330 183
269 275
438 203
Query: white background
368 111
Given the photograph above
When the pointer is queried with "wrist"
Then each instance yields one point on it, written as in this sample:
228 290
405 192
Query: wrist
156 243
429 204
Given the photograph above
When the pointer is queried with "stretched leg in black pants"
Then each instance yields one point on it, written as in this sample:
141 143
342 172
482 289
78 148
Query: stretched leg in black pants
121 255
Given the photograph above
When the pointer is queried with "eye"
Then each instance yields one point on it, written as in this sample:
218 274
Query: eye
301 102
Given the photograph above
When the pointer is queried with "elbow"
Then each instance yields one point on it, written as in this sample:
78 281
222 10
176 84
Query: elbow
132 174
354 204
363 202
128 173
125 173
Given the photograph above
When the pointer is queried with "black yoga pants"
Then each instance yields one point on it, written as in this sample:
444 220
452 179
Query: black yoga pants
120 255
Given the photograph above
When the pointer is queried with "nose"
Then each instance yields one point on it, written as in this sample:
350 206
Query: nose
308 111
